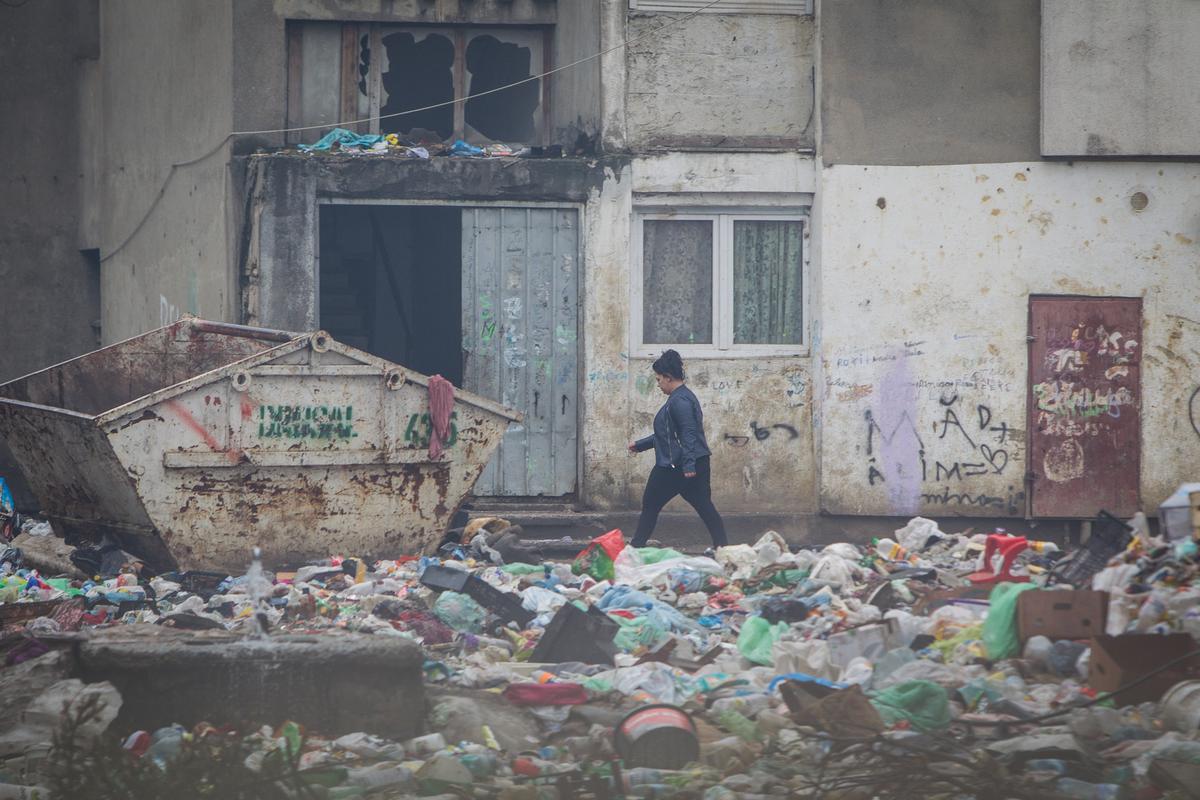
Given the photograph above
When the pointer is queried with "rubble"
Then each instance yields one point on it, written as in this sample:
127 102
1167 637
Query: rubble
895 669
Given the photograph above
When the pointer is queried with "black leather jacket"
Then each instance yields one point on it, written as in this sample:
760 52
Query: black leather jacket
678 438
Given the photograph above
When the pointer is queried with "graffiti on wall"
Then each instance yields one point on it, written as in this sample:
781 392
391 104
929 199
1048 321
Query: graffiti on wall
963 445
1194 410
1083 393
761 433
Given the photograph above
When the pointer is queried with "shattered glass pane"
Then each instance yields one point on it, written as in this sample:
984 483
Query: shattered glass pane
506 116
420 73
677 281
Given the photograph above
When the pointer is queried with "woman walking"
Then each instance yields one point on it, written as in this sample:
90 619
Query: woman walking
681 455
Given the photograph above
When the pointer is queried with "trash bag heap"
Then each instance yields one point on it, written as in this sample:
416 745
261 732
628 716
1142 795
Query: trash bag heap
930 664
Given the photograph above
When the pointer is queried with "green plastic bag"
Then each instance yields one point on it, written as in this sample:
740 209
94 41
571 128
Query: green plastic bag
653 555
1000 628
922 704
521 569
757 639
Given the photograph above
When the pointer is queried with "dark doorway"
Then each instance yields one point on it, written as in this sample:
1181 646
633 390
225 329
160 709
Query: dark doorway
391 283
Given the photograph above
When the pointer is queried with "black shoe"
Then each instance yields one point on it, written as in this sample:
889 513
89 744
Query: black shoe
710 553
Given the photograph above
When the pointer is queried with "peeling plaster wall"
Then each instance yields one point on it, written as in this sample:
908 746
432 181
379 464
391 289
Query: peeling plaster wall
755 466
713 80
925 298
165 100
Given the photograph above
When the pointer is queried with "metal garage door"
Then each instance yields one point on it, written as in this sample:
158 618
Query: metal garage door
1084 405
520 340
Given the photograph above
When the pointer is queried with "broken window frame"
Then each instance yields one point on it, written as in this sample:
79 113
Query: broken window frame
724 345
353 105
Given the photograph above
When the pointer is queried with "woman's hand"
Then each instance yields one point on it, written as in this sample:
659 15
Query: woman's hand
689 474
632 448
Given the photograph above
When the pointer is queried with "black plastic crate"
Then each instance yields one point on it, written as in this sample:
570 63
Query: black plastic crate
504 605
574 635
1110 536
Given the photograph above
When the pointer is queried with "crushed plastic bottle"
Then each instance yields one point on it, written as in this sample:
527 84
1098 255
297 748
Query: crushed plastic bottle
1082 790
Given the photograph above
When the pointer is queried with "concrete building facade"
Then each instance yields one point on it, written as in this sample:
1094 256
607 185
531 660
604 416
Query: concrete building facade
955 280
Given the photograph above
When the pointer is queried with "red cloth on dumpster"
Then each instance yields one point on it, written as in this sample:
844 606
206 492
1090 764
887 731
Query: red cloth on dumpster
441 403
545 694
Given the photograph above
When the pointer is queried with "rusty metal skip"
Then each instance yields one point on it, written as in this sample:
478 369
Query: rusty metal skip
192 443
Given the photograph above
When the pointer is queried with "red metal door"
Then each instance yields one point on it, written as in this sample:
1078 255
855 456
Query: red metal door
1084 398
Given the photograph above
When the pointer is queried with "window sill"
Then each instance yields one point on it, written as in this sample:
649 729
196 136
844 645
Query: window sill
709 352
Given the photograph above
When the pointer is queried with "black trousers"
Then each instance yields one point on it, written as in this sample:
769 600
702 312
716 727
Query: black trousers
664 484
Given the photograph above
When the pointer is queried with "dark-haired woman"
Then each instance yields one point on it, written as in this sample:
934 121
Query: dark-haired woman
681 455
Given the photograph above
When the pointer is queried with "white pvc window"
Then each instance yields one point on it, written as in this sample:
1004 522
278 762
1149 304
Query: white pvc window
723 6
715 284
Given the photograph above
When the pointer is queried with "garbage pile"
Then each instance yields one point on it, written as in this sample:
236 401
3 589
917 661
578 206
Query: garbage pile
344 142
926 664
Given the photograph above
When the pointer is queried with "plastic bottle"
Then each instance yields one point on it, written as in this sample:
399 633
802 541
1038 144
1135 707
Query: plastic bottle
1055 765
380 775
891 550
1082 790
481 765
642 776
1042 547
165 744
1063 656
1037 650
425 745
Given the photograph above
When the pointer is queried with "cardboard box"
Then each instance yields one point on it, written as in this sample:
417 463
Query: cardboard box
1061 615
1119 660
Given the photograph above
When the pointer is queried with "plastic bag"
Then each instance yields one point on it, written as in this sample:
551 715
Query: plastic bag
597 558
541 601
545 694
741 558
810 657
1000 628
653 555
663 615
834 569
922 704
639 632
918 534
460 612
757 639
631 567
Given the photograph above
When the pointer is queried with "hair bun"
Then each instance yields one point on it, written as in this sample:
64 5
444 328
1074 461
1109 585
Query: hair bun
670 363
